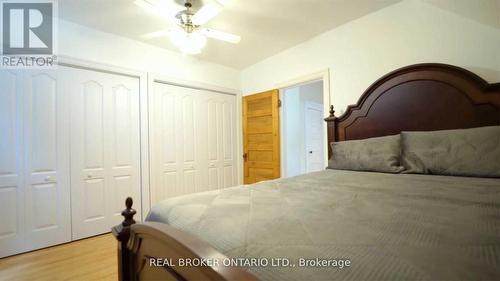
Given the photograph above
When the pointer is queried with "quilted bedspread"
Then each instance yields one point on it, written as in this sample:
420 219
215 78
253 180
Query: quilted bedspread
388 226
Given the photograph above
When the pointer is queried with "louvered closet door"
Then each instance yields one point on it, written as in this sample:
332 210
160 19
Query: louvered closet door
46 160
194 143
11 155
104 149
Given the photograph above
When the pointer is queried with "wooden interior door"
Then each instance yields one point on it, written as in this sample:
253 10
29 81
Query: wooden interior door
261 137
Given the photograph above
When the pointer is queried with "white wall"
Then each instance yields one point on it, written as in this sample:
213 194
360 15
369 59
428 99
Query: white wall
363 50
81 42
312 92
291 132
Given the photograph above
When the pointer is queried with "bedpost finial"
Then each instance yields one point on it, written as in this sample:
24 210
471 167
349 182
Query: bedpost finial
129 202
332 112
128 213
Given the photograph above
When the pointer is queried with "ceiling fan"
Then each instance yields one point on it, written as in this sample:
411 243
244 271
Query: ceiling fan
188 32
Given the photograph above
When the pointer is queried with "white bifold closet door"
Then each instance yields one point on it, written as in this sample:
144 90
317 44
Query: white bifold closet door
105 149
34 161
69 155
193 141
46 145
11 163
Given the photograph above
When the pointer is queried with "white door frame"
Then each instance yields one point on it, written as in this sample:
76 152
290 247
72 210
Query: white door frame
143 115
323 75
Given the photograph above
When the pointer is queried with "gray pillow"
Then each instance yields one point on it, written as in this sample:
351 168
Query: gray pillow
466 152
374 154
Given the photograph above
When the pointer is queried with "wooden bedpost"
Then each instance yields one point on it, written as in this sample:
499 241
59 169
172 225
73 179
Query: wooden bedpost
331 123
122 234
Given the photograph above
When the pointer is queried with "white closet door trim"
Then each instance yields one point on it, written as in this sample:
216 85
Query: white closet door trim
159 78
144 120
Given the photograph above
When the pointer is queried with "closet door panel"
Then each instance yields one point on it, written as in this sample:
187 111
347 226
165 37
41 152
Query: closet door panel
91 108
124 146
188 130
168 126
227 134
46 142
168 186
202 140
190 170
213 141
167 139
105 149
11 151
213 178
91 132
228 176
188 141
174 137
213 129
88 179
93 200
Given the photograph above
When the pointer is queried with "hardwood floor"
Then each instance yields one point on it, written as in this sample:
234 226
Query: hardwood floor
88 259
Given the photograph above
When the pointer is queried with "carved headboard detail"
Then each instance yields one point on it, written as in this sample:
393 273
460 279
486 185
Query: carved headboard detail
421 97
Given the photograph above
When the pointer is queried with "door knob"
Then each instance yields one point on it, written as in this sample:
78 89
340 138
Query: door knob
89 176
48 178
310 152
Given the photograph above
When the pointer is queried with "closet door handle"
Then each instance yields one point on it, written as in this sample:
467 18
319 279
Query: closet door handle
89 176
48 179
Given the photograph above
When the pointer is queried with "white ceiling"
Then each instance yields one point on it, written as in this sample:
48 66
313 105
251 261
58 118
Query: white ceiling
483 11
266 26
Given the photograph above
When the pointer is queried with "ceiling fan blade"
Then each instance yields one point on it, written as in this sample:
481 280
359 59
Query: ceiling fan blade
220 35
165 9
206 13
157 34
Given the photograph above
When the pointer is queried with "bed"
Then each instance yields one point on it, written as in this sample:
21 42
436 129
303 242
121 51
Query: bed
341 224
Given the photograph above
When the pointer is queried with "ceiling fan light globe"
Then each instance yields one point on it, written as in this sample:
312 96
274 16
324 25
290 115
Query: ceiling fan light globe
190 51
189 43
177 36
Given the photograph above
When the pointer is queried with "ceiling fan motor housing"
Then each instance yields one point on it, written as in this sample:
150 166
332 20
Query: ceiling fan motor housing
186 18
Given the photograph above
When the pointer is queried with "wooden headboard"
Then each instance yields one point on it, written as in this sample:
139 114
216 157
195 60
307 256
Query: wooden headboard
421 97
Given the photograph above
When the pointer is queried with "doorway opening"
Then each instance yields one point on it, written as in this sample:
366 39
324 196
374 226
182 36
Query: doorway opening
303 134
